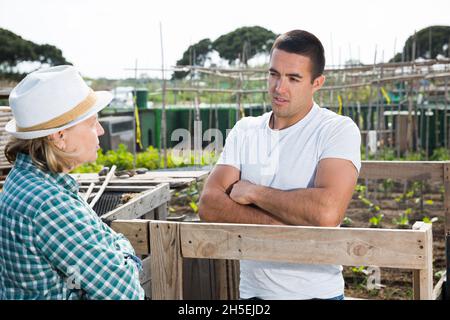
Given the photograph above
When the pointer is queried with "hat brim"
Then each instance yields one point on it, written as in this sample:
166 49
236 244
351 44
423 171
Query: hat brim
103 99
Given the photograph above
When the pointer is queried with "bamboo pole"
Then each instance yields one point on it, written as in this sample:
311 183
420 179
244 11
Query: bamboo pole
102 189
445 113
163 136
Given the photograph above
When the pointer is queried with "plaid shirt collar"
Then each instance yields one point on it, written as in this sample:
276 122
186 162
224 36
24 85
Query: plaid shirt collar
23 161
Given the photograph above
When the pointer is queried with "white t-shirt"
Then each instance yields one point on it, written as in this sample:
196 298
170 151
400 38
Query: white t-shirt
287 159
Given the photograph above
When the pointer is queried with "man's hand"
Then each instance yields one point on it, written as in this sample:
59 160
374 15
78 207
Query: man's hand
242 192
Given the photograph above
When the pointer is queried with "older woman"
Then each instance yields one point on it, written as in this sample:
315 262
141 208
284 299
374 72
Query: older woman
52 245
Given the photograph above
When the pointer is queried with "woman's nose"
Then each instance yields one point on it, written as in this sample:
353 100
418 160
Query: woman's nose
100 130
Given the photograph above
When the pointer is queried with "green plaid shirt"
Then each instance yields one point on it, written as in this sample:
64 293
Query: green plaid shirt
53 245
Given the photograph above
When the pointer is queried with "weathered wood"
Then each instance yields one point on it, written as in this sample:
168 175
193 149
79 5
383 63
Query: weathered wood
166 262
124 188
199 279
136 231
198 175
147 286
309 245
425 275
141 204
446 180
173 182
144 182
145 278
408 170
150 215
102 189
88 192
416 284
161 212
145 274
227 278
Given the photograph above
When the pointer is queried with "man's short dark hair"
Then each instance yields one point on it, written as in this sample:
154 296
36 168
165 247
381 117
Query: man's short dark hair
305 44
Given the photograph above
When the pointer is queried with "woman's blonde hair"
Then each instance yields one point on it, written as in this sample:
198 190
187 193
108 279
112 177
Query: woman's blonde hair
43 152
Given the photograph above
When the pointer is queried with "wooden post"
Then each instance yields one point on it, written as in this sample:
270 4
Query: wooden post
166 261
136 231
447 196
227 279
423 278
447 223
161 212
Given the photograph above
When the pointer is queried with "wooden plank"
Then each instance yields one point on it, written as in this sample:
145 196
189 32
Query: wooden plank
140 205
124 188
425 275
404 170
150 215
145 277
118 181
416 284
104 184
161 212
147 286
166 262
199 279
446 180
309 245
198 175
136 231
145 274
124 182
227 279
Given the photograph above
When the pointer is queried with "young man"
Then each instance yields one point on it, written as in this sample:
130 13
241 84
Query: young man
296 165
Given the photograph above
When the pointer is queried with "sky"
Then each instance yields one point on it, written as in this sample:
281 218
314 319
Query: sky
103 38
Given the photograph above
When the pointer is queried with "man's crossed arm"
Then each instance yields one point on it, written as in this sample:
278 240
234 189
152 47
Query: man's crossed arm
226 198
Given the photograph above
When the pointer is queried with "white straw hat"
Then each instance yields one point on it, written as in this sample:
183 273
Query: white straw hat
49 100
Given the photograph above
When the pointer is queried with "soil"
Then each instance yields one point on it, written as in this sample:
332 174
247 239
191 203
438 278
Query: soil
396 284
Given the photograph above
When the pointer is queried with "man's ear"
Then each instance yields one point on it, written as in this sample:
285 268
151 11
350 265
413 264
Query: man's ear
318 82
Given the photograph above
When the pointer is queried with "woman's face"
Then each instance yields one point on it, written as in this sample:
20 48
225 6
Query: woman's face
82 139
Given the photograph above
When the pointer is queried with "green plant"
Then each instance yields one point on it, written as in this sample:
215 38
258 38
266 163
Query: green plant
375 221
359 270
440 154
149 159
361 190
387 186
403 220
121 158
427 219
360 276
347 222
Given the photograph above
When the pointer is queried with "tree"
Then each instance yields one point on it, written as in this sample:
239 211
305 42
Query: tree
436 37
15 50
196 54
244 43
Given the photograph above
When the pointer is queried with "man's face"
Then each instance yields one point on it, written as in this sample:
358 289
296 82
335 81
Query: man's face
290 87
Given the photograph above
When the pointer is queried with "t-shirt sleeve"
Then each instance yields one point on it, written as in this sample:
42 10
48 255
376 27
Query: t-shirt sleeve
230 154
343 142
